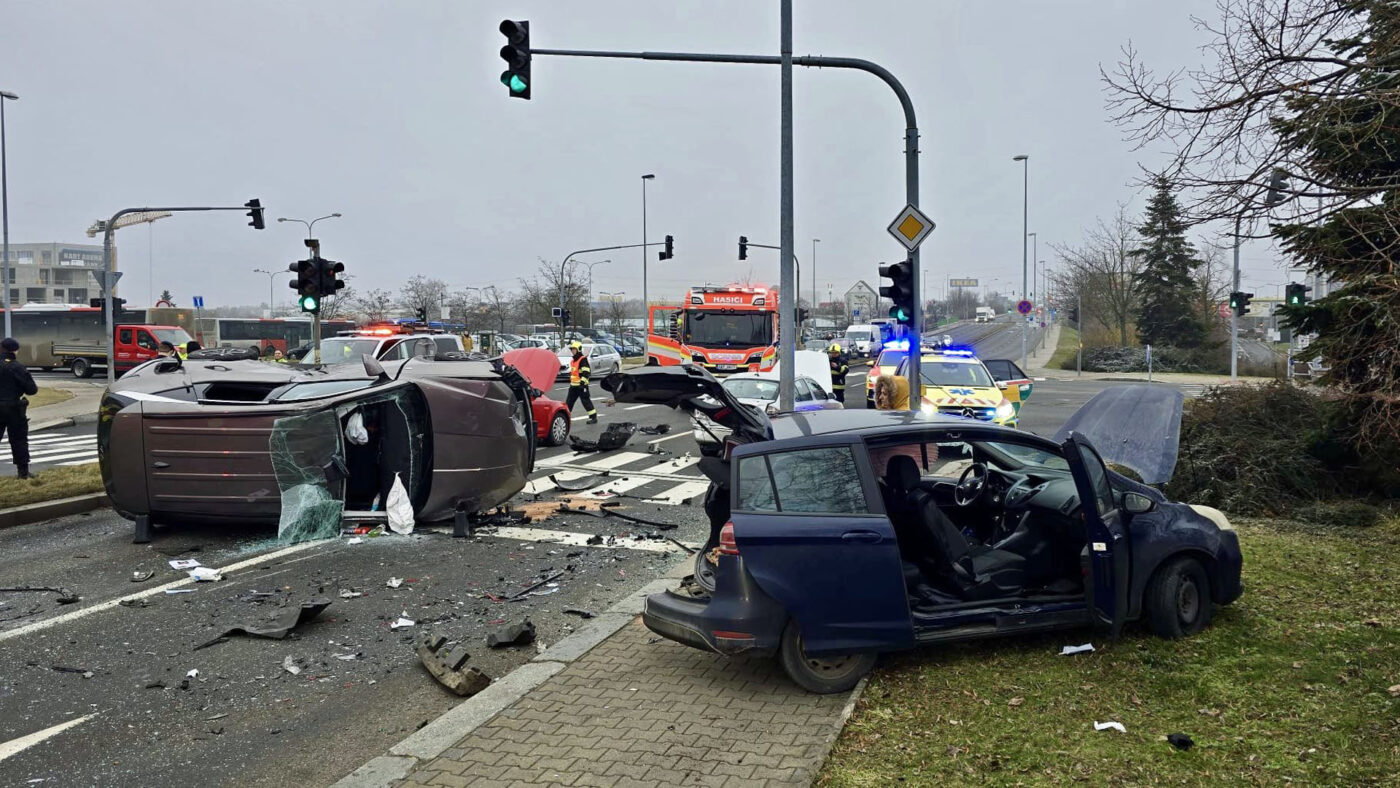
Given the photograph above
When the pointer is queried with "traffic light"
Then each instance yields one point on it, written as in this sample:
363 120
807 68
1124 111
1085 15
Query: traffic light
900 291
1073 313
670 250
1278 187
327 281
516 53
307 284
1240 302
743 247
255 212
1296 294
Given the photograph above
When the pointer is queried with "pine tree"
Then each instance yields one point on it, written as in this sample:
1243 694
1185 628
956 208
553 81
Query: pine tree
1348 139
1167 285
167 297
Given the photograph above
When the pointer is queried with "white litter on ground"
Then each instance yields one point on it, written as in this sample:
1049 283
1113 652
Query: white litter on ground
1067 650
1103 726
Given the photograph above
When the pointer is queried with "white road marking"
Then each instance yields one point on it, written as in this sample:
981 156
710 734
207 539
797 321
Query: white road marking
681 434
83 612
542 484
614 460
637 407
573 539
17 746
622 485
37 459
680 493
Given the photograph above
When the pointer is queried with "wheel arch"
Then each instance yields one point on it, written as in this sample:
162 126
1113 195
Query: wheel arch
1207 561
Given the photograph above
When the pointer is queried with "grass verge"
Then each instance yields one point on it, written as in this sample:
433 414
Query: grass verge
1065 349
50 485
1295 682
49 396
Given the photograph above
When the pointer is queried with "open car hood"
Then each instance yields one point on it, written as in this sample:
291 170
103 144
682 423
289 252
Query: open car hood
691 389
814 364
538 365
1136 426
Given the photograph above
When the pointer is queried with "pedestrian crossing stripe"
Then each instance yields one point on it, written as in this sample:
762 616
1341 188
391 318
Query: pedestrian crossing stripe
664 482
56 449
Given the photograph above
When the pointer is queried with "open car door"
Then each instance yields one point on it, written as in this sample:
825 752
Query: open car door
691 389
1106 556
1011 379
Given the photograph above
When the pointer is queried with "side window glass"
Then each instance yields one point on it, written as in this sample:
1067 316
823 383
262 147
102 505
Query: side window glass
124 336
144 340
755 486
999 370
804 392
1016 372
818 480
445 344
1098 478
396 352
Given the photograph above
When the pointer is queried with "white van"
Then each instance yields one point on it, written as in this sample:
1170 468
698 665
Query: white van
985 314
862 340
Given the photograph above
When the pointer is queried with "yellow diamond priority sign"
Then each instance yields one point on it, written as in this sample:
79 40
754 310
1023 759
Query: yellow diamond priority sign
911 227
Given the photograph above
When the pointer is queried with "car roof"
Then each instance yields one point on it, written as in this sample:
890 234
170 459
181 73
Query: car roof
858 424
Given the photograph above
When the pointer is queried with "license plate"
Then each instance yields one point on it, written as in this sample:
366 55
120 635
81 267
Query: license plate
727 367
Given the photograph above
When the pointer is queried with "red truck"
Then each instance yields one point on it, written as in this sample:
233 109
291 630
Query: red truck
62 335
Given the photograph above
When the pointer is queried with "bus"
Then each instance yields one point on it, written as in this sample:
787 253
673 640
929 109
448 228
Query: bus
280 333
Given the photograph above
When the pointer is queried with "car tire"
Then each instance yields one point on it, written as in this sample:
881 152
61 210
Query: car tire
81 368
558 430
822 676
1178 599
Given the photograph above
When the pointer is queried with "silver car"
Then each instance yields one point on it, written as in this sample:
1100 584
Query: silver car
759 390
603 360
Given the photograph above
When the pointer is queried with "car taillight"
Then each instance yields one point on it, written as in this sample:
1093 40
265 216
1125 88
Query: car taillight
727 545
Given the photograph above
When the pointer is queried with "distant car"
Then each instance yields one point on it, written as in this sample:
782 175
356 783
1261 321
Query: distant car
841 534
603 360
387 344
811 391
226 440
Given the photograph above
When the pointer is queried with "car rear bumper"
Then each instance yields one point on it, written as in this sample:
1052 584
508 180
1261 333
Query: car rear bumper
738 619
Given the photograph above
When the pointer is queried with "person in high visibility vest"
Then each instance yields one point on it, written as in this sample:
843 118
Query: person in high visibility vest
578 382
839 368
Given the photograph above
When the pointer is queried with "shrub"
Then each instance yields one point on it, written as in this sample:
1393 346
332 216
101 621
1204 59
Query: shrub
1345 514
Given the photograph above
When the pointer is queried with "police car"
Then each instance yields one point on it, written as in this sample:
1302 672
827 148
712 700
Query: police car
957 383
388 342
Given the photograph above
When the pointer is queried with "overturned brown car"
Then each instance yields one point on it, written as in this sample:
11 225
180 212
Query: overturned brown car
229 439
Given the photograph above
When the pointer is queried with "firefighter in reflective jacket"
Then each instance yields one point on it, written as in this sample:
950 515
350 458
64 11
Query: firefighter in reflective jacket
839 368
578 382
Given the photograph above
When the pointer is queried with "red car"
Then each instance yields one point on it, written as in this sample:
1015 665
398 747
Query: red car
552 421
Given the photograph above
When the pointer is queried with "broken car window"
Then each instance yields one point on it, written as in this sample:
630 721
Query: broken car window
755 486
818 480
322 388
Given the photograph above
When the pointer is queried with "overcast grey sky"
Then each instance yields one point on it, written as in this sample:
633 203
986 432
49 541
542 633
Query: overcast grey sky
392 113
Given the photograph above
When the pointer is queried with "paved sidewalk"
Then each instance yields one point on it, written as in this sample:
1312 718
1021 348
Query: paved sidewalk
641 711
81 409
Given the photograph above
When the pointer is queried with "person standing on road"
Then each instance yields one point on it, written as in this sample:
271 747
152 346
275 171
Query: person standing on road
578 382
839 368
15 384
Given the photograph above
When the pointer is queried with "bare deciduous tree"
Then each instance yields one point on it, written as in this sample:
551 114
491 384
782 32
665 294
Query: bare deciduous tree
373 305
425 295
1102 270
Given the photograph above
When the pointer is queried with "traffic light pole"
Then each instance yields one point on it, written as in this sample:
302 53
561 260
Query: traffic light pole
109 266
316 316
570 256
797 271
1234 313
911 158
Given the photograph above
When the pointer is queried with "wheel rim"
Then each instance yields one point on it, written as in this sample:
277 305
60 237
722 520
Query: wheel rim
1188 600
560 430
826 666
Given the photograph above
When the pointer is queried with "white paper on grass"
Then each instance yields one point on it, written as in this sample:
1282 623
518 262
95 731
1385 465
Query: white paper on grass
1103 726
1067 650
399 508
355 430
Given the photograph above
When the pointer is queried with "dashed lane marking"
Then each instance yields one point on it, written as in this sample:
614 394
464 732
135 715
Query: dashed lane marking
17 746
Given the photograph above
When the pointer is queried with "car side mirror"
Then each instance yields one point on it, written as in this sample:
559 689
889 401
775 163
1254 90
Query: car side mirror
1001 384
1137 503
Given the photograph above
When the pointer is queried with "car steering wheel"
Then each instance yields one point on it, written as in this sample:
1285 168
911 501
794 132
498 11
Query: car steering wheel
971 484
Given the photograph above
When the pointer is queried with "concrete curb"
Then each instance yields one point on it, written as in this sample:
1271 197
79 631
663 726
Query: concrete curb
47 510
439 735
67 421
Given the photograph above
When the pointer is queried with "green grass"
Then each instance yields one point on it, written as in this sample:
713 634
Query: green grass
1065 349
50 485
49 396
1295 682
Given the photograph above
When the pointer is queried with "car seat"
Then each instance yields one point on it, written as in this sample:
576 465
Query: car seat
978 572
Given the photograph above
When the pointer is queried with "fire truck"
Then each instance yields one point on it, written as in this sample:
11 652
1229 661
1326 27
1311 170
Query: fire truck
725 329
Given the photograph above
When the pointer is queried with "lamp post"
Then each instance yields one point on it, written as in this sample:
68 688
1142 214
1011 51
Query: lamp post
649 176
590 287
1025 228
615 297
309 224
271 307
5 209
815 241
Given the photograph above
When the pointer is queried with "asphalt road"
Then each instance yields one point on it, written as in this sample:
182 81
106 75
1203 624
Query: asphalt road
120 668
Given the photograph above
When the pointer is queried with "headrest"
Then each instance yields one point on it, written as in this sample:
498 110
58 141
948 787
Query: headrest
902 473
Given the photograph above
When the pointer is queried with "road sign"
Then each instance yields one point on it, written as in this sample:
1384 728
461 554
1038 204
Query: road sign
199 302
910 227
1024 307
962 282
106 280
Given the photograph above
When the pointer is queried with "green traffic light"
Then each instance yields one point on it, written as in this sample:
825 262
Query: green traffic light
514 82
308 303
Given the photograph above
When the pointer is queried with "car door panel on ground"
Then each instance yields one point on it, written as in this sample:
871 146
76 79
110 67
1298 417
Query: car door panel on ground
803 519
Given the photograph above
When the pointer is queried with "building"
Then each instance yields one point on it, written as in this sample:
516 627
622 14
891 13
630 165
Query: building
861 302
54 273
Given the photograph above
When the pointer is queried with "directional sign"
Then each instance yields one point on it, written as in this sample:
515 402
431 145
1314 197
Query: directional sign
1024 307
962 282
199 302
910 227
106 280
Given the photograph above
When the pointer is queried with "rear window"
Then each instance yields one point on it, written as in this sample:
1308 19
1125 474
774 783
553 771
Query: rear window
819 481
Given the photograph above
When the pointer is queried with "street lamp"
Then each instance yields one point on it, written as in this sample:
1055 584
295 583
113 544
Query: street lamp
590 288
815 241
649 176
1025 229
271 307
5 209
615 297
309 224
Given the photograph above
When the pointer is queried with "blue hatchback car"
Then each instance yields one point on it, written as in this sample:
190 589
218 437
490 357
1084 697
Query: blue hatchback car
836 535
